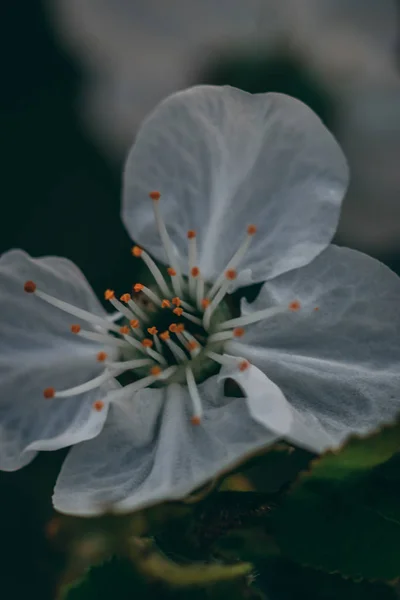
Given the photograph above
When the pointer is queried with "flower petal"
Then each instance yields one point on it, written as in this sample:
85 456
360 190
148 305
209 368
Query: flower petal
337 358
37 350
149 451
223 159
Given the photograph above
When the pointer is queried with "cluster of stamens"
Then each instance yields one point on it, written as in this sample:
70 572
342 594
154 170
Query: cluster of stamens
193 332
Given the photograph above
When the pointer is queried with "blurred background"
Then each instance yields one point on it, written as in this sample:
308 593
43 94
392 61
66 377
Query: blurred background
78 77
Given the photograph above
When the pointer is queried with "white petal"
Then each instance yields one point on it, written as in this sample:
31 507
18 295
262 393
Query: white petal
148 450
37 350
223 159
340 363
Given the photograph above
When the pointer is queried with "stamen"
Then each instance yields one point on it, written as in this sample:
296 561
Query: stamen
178 353
137 330
164 336
235 260
146 349
143 383
199 292
154 270
295 305
137 311
190 317
165 304
126 365
147 343
110 296
98 405
70 309
194 396
178 311
124 330
221 359
193 270
175 280
102 356
102 338
230 275
80 389
253 318
166 241
156 370
139 287
154 331
176 301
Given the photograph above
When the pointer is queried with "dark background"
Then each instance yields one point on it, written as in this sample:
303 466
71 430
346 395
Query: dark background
59 195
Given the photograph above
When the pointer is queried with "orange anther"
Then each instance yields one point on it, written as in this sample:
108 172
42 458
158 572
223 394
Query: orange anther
171 271
155 195
195 272
173 328
152 330
134 323
251 229
165 304
164 336
205 302
102 356
316 308
192 346
180 327
98 405
124 330
178 311
49 392
196 420
238 332
109 294
75 328
295 305
191 234
231 274
147 343
137 251
156 370
125 297
138 287
176 301
243 365
29 287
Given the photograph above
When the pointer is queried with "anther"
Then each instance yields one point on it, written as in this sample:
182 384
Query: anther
75 328
102 356
251 229
147 343
109 294
195 420
152 330
178 311
30 287
49 393
164 336
195 272
98 405
125 298
156 370
192 346
295 305
191 234
124 330
155 195
176 301
238 332
231 274
180 327
134 323
138 287
244 365
171 271
205 302
137 251
316 308
165 304
173 328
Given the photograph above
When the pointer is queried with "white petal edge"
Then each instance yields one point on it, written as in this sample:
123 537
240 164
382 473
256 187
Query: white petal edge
223 159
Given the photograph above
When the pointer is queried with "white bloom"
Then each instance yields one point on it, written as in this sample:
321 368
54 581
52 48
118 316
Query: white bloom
316 354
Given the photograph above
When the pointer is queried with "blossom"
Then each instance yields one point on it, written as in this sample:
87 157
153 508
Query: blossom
226 189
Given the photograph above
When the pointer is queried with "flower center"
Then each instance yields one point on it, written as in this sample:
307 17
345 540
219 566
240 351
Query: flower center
173 331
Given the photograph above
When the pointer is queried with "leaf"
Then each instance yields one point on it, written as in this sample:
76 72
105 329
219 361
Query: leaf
343 515
284 580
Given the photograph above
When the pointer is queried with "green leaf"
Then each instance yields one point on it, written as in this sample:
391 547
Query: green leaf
284 580
343 515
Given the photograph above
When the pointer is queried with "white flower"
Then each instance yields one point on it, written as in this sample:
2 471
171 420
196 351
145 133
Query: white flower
316 355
